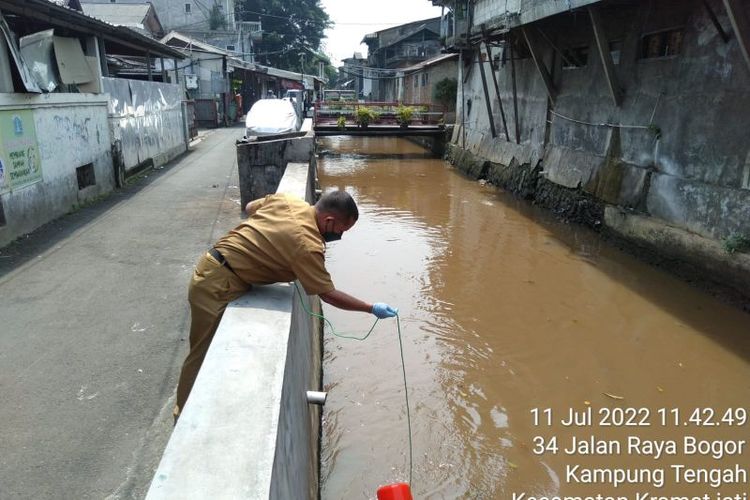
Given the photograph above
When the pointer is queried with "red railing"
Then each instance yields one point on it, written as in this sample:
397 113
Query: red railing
327 113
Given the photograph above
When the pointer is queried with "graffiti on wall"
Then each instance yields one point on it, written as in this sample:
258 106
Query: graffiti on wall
20 163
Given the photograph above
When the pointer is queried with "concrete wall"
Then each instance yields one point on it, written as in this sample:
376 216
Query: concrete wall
247 430
71 131
675 150
261 164
297 454
516 12
147 122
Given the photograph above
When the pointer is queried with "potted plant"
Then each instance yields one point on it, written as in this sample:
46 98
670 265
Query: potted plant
365 115
341 122
404 115
423 112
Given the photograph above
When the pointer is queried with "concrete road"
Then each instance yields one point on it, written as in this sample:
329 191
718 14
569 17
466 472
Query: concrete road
93 329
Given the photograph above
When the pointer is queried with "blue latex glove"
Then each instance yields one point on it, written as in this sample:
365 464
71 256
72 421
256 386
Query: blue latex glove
383 310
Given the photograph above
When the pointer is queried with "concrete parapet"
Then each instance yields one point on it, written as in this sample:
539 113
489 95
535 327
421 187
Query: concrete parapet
261 164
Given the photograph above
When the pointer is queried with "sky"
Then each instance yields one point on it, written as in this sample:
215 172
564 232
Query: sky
355 18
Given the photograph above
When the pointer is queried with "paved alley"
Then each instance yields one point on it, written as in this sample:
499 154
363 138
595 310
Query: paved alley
94 329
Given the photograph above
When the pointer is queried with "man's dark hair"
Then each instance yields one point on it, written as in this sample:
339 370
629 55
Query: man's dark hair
340 203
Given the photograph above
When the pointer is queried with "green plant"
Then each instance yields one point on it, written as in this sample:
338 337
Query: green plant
341 121
404 115
737 243
216 18
365 115
445 92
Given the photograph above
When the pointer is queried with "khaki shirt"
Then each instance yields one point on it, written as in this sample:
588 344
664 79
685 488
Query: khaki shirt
278 242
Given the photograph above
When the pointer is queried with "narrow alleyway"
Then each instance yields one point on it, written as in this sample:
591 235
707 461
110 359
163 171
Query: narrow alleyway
93 318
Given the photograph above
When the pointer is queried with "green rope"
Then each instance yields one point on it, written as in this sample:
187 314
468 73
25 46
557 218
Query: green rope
403 364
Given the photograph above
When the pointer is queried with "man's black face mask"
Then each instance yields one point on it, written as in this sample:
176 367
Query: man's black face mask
330 236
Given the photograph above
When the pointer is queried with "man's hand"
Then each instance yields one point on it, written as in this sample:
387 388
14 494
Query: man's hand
383 310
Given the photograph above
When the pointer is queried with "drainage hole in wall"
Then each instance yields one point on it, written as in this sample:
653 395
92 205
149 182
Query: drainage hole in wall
85 175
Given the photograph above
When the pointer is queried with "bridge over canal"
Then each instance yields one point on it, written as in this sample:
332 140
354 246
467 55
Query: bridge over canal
384 119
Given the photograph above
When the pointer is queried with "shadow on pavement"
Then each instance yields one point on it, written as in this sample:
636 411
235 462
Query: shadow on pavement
50 235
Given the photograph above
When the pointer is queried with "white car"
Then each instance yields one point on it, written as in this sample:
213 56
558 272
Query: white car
271 116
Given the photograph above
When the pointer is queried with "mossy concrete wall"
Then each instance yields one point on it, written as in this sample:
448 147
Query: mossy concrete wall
673 154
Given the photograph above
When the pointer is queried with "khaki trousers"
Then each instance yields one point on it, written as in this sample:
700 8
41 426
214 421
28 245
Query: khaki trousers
212 287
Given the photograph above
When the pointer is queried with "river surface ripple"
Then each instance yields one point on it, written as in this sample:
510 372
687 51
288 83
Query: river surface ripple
504 309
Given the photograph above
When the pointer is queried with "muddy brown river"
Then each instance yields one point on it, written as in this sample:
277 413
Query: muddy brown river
541 361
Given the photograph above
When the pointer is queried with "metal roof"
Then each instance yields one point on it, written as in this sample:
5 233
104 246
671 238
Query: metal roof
119 14
186 43
56 16
415 24
428 63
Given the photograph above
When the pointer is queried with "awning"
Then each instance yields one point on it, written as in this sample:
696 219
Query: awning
119 39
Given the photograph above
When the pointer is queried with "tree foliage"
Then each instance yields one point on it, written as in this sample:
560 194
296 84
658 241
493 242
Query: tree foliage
445 92
216 18
292 32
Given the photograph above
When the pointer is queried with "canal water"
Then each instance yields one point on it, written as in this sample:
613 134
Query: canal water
511 320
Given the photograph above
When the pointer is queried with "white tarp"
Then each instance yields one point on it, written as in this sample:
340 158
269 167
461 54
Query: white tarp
271 116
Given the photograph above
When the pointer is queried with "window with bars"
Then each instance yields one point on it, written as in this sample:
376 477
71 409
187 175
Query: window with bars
664 43
576 57
615 50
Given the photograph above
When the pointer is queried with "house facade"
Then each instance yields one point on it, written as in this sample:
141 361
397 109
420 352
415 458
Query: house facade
399 47
139 17
629 116
418 82
209 21
356 76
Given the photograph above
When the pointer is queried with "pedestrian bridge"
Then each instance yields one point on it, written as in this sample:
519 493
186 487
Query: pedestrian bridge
392 119
381 130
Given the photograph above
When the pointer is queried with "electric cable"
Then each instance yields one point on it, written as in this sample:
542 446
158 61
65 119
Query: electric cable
403 364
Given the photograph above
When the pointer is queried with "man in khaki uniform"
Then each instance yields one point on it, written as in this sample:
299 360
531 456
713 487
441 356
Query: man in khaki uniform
282 239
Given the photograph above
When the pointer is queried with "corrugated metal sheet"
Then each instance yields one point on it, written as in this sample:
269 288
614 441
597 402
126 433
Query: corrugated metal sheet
146 117
119 14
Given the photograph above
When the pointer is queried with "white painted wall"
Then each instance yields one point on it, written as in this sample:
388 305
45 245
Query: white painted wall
71 131
173 16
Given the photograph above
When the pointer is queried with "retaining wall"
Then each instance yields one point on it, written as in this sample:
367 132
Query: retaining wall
672 155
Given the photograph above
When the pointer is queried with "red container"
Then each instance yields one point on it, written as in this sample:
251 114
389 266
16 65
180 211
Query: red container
396 491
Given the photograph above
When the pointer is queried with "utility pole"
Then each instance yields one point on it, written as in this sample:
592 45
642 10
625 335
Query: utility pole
242 42
301 105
